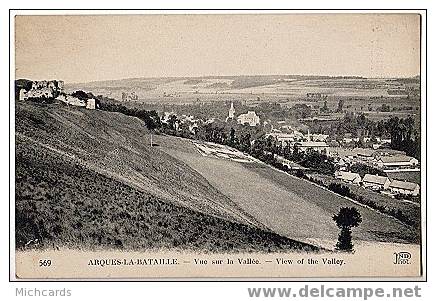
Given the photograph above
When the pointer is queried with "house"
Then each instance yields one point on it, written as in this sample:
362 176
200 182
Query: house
319 146
126 96
318 137
211 120
23 94
396 162
341 163
71 100
249 118
349 177
286 138
166 116
376 182
365 153
193 127
403 187
349 140
90 104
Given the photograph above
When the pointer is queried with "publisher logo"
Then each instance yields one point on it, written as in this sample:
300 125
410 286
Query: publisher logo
402 258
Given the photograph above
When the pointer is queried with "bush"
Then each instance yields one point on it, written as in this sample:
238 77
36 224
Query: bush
300 173
340 189
346 219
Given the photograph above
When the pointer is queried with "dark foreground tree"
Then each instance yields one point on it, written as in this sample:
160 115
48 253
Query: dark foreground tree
346 219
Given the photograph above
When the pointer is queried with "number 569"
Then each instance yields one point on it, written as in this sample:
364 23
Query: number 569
44 262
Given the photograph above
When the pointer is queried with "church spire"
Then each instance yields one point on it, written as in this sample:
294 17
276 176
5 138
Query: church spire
231 111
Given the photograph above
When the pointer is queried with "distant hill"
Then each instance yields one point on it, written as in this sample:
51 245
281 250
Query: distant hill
89 179
237 81
243 87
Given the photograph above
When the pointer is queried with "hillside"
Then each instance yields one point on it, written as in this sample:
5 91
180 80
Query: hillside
287 205
89 179
108 156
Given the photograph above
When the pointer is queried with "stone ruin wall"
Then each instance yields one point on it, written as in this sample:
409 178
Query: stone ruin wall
43 89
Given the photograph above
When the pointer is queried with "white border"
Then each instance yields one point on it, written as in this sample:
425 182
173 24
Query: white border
135 12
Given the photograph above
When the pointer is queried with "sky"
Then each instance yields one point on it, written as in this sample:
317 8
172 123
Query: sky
102 47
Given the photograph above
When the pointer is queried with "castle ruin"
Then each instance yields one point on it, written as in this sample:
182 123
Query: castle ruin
42 90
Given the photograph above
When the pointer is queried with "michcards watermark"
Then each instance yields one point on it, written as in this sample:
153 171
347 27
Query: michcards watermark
36 292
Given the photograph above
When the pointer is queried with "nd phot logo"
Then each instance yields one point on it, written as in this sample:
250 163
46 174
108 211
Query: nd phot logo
402 258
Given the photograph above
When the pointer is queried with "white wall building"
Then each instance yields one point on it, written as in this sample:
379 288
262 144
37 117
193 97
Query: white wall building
403 187
396 162
71 100
286 138
23 94
319 146
249 118
349 177
90 104
376 182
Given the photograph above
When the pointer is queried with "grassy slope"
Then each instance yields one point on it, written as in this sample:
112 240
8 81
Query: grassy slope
375 226
118 146
289 206
67 196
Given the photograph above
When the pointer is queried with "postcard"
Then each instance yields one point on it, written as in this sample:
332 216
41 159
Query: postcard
208 145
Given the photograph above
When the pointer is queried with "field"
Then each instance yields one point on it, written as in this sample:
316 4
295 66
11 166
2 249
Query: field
286 89
287 205
88 179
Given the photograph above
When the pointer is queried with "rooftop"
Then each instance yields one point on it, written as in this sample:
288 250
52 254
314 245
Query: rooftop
349 176
375 179
396 158
313 144
403 185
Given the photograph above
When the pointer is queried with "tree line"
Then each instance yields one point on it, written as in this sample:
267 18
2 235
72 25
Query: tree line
403 132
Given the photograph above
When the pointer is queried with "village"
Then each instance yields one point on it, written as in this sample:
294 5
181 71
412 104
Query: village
378 155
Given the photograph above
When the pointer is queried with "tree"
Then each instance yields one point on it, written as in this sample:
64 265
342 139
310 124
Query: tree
172 122
301 111
363 169
151 120
340 105
246 143
80 95
346 219
232 137
315 160
300 173
325 108
404 135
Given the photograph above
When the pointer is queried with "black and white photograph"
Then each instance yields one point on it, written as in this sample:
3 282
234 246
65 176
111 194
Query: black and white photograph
218 145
